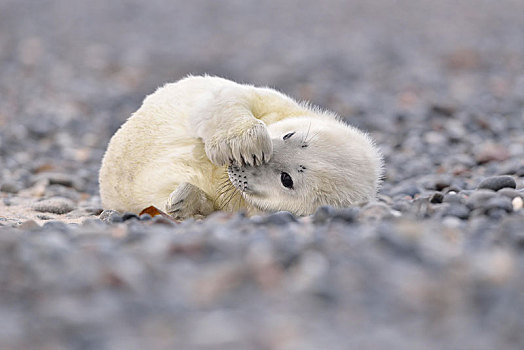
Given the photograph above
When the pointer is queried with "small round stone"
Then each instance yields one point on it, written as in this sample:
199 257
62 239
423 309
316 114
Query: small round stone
517 203
496 183
110 216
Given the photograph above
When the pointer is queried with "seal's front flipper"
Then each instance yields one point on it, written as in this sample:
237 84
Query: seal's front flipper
188 201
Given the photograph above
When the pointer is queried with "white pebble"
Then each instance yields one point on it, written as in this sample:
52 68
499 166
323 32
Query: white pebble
517 203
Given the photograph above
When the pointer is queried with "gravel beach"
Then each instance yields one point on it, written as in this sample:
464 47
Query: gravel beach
437 262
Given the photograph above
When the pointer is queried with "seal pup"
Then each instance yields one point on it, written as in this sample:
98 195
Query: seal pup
206 143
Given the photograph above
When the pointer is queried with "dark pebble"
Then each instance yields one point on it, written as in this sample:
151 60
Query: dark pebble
129 216
436 198
346 214
495 183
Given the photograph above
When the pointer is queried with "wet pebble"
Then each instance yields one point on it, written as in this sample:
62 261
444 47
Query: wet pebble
55 205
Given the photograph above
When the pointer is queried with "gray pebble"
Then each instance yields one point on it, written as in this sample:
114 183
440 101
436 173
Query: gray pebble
375 211
11 187
110 216
520 171
55 205
460 211
509 192
280 218
406 190
145 217
499 202
479 197
56 226
495 183
323 214
453 198
28 225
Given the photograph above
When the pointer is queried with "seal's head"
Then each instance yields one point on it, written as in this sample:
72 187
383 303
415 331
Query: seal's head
315 161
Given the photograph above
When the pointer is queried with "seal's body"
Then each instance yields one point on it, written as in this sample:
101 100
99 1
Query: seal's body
206 143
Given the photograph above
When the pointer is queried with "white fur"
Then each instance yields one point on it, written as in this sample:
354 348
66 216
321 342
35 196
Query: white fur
187 132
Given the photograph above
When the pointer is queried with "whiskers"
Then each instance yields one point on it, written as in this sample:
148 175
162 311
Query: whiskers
305 140
229 198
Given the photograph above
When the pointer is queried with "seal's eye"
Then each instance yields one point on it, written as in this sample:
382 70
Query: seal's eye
287 181
288 135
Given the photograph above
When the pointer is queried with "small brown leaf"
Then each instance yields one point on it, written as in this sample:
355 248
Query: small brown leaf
154 211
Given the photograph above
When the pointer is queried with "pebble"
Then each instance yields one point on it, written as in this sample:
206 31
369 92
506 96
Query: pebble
436 198
129 216
11 187
323 214
145 217
496 183
57 226
376 211
347 215
479 197
517 203
278 218
509 192
28 225
453 198
110 216
499 202
55 205
460 211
